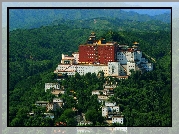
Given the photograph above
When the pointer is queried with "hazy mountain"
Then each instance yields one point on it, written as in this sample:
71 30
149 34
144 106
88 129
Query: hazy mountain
151 12
34 18
115 24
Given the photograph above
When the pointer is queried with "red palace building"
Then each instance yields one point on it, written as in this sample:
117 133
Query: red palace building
97 51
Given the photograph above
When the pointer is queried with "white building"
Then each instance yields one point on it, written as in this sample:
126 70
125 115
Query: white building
102 98
76 57
105 86
81 69
57 103
41 103
52 86
98 92
147 66
107 109
67 59
50 106
143 60
56 92
49 115
123 70
46 104
117 119
130 66
138 56
126 60
125 56
113 68
58 100
110 104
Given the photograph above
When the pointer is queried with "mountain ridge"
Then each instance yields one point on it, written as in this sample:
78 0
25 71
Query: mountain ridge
36 18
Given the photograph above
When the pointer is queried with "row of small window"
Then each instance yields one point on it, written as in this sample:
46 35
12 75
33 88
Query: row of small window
102 97
88 50
59 92
70 73
120 54
63 67
81 72
111 110
114 121
90 60
71 67
57 100
104 70
122 78
107 57
104 49
49 86
131 66
107 54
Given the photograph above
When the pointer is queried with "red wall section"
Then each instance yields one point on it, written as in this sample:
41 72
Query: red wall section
106 53
87 53
100 53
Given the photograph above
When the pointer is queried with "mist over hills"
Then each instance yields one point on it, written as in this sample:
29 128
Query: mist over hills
151 12
34 18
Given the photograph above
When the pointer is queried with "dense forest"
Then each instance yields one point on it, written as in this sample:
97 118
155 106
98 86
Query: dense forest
144 99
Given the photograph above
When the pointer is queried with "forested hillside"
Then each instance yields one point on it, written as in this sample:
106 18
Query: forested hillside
34 18
145 99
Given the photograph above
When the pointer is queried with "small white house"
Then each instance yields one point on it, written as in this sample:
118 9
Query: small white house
49 115
107 109
56 92
117 119
130 66
57 100
57 103
51 85
98 92
41 103
107 103
147 66
50 107
109 86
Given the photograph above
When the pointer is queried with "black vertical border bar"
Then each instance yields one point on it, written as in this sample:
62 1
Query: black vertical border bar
8 67
171 70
